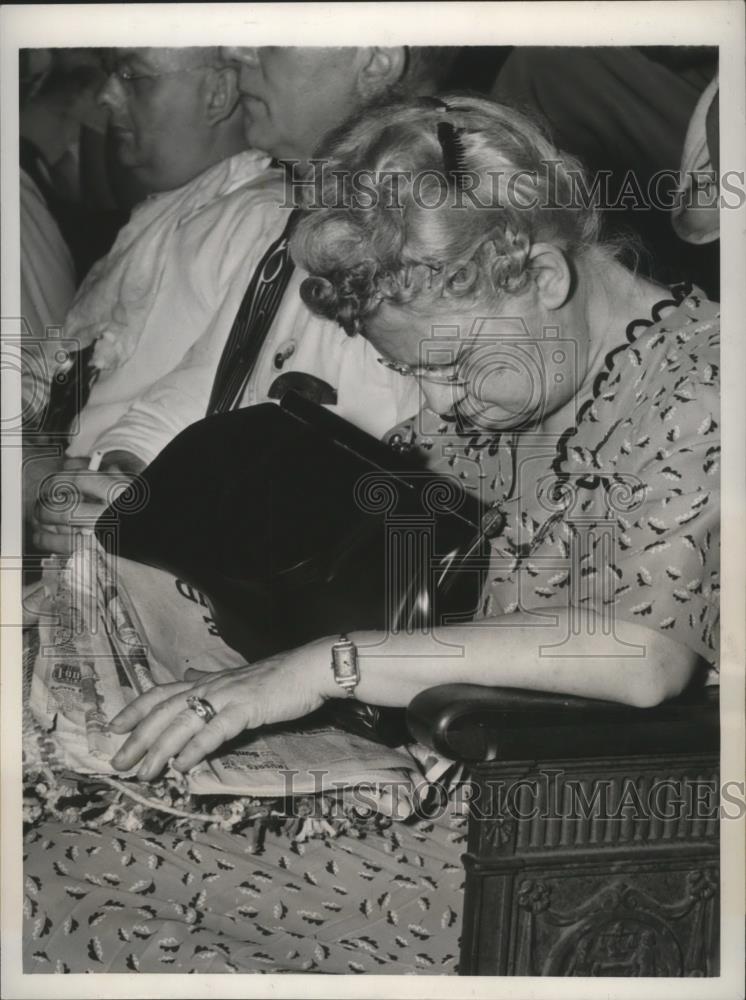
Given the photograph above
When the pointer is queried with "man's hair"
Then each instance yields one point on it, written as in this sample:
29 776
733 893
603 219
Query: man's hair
429 67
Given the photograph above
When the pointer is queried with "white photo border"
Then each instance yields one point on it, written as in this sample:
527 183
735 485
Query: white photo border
704 22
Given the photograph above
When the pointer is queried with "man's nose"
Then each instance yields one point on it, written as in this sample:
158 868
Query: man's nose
112 93
244 55
442 397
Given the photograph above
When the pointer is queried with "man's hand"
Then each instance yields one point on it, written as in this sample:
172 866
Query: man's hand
73 499
122 461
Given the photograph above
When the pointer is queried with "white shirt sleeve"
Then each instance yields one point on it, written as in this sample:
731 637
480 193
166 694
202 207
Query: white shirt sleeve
215 278
173 402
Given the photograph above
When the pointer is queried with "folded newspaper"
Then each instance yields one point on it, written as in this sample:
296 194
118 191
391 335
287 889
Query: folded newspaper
110 629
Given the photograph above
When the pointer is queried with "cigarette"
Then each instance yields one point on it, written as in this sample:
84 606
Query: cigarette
95 463
93 466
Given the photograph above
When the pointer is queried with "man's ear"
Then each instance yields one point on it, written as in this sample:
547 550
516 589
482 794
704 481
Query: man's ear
551 273
381 69
221 95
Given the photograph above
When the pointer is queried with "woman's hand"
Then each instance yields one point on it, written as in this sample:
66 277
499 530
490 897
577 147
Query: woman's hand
278 689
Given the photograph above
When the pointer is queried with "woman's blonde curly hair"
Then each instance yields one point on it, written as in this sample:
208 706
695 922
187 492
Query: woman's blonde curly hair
390 216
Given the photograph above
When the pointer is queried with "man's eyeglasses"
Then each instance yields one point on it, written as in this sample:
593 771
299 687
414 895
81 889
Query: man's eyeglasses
127 77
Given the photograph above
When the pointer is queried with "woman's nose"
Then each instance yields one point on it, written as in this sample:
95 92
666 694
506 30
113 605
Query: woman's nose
442 397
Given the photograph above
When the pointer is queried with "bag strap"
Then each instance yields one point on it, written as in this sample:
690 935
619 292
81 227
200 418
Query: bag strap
253 322
69 392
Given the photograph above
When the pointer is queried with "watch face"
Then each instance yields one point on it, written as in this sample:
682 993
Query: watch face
344 662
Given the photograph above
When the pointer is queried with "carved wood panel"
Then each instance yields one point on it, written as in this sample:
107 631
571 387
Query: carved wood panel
615 888
597 923
589 809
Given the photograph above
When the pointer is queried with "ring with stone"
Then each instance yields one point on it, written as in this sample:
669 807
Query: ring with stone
201 707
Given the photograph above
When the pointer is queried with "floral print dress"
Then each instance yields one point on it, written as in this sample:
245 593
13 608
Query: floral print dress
110 900
620 513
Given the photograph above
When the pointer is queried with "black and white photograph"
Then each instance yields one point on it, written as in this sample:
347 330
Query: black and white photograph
364 512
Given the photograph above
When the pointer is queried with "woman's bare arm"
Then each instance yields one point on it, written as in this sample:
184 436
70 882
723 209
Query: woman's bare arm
509 651
636 665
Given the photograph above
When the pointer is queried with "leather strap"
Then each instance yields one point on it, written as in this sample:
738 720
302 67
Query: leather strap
69 391
252 323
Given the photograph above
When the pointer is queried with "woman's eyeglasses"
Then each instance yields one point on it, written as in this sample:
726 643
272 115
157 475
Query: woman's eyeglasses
436 374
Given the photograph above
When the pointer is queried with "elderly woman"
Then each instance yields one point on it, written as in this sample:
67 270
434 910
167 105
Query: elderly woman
579 400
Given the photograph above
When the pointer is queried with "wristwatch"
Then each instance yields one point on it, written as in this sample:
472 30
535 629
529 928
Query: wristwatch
345 665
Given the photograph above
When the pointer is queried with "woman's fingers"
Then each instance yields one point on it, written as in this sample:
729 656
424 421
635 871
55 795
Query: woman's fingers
138 709
170 741
162 726
225 725
170 727
164 731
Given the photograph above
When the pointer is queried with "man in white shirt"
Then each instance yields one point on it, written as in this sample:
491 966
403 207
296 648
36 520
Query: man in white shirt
178 128
291 97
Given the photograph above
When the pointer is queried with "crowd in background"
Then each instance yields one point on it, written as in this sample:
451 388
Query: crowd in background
619 110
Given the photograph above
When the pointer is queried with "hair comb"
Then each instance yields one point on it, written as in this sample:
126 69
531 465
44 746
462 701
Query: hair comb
434 103
454 154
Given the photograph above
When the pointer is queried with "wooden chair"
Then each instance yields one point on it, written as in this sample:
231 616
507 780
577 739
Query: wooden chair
593 838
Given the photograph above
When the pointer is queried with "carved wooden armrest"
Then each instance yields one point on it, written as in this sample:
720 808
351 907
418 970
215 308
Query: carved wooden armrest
475 723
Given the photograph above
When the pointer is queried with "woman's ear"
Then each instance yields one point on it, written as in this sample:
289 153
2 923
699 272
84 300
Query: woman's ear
222 94
381 69
551 273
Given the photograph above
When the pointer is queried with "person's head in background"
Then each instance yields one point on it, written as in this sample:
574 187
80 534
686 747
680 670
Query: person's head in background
292 97
696 216
57 91
174 112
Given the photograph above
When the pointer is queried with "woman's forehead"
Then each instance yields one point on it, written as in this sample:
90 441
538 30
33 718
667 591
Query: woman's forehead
403 334
406 335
